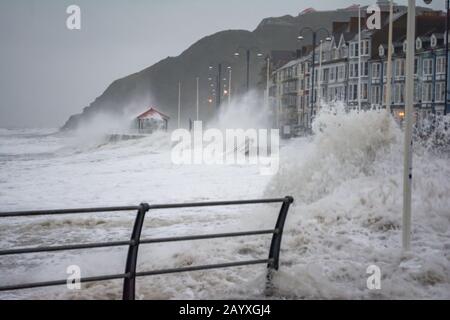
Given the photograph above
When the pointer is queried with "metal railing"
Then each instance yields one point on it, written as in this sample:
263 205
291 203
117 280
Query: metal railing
135 241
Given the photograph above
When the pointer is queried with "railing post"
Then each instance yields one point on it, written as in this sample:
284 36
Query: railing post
129 284
275 246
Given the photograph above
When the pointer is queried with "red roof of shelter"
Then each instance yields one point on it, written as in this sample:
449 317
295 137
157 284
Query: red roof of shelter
153 112
309 10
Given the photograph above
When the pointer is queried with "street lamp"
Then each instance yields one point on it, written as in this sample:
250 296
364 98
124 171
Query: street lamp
267 95
314 43
219 80
248 53
229 84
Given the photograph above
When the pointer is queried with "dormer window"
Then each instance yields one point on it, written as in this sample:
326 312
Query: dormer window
433 41
418 43
354 48
365 48
381 51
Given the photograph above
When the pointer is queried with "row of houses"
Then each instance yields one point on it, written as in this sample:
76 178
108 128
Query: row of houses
349 59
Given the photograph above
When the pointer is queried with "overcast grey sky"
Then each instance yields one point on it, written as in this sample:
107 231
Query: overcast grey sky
48 72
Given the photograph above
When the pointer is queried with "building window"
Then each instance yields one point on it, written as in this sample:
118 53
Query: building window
354 70
418 44
433 41
427 92
416 92
353 92
416 66
400 68
354 50
332 74
341 72
365 47
399 93
381 51
440 65
340 93
427 67
376 70
376 96
364 69
364 91
440 92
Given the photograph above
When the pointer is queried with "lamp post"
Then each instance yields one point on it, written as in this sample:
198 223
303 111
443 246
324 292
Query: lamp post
319 90
229 85
197 96
314 43
248 55
409 110
267 82
179 104
218 85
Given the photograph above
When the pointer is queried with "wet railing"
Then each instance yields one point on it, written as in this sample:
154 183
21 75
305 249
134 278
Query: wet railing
135 241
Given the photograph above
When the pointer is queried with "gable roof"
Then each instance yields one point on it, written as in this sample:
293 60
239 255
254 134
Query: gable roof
153 113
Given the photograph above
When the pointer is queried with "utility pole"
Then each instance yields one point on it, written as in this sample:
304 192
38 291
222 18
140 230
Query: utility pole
389 59
409 112
248 53
198 100
313 79
229 86
219 86
267 82
179 104
248 70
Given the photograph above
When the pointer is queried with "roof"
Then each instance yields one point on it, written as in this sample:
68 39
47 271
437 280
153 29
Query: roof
294 62
353 7
309 10
153 113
